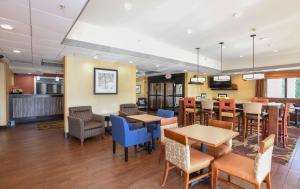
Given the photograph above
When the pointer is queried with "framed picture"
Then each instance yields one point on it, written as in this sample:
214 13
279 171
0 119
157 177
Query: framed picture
222 95
203 95
105 81
138 89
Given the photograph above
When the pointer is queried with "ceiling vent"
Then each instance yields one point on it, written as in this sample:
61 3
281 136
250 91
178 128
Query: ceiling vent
151 72
52 63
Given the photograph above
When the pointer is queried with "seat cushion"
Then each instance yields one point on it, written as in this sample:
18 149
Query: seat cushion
229 114
236 165
199 160
215 152
91 125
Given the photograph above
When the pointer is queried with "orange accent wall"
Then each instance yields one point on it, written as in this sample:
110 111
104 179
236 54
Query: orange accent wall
24 82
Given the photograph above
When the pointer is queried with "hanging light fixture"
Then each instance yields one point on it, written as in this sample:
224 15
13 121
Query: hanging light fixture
196 78
253 76
222 77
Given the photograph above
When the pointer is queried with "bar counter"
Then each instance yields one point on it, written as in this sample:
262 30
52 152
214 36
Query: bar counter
26 108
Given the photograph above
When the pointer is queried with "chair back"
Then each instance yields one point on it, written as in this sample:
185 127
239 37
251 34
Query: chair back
263 160
224 125
220 124
165 113
261 100
167 123
177 149
252 108
119 129
227 104
129 109
83 112
207 104
189 102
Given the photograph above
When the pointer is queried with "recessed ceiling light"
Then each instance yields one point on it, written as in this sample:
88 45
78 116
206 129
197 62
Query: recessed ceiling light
189 31
137 71
276 51
16 51
6 27
224 47
185 70
29 73
157 66
241 56
128 6
96 57
237 14
204 73
130 62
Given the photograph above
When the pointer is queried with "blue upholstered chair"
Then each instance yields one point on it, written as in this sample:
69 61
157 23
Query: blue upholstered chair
126 135
161 113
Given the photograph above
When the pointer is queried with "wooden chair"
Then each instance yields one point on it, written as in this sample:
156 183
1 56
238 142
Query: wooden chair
227 108
222 149
283 122
180 155
207 110
253 113
167 123
189 110
252 171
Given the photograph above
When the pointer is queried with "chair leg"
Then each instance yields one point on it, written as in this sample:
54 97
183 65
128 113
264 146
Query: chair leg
186 180
211 176
126 154
114 146
268 180
245 128
81 141
166 172
215 178
161 154
257 186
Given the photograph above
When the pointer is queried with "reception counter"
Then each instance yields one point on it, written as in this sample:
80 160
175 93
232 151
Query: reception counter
26 108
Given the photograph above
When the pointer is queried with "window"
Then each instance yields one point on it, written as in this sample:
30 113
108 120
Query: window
276 88
293 88
283 88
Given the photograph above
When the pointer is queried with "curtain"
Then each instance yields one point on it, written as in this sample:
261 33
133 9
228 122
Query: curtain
261 88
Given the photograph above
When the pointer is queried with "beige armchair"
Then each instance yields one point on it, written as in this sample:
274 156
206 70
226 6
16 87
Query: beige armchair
84 124
128 110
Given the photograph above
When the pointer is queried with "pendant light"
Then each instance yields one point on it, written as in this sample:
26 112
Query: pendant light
196 78
222 77
253 76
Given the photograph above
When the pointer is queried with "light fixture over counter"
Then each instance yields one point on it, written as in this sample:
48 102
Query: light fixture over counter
253 76
196 79
222 77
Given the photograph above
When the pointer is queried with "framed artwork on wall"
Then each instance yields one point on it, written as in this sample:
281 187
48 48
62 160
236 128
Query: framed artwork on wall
203 95
138 89
105 81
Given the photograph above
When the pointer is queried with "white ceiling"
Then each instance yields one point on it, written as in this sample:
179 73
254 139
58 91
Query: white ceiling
50 24
151 33
159 28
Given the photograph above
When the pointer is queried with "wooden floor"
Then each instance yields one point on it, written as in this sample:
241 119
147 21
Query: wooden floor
32 158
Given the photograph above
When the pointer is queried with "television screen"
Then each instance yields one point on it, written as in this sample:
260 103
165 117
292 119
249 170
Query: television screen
219 84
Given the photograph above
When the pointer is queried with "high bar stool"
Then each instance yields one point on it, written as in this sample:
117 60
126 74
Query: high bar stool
189 111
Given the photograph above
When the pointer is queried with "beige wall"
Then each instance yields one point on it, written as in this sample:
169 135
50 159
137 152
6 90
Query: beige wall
79 76
246 89
6 81
143 82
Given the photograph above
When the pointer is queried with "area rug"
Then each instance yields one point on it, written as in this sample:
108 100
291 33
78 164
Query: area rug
50 125
280 155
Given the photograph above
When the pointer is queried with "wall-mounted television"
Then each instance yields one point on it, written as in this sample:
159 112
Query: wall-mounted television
219 84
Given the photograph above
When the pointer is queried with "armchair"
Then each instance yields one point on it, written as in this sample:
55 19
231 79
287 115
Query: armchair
131 109
126 136
84 124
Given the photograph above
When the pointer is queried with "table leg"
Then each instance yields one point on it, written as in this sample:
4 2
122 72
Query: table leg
296 117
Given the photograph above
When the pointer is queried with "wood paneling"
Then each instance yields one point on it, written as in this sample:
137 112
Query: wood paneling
24 82
283 74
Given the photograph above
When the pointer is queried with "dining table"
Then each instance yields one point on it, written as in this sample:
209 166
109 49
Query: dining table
207 136
146 119
272 108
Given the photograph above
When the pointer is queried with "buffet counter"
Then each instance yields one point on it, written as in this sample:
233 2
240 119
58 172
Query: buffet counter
26 108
